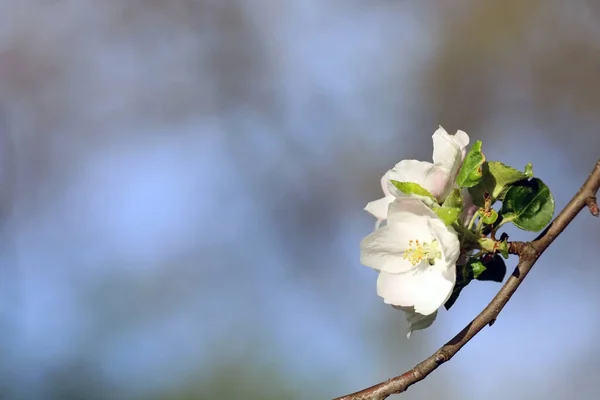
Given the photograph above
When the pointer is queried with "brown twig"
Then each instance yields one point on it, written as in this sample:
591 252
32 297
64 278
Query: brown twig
528 254
592 203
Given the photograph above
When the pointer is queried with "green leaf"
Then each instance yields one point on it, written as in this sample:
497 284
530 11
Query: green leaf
529 170
412 188
494 269
529 205
471 172
477 268
503 176
454 199
490 217
497 178
450 211
448 215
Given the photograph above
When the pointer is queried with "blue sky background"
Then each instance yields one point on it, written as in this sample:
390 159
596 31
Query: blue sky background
183 185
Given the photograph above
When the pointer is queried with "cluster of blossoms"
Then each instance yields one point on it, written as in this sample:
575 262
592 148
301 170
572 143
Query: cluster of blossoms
431 235
414 251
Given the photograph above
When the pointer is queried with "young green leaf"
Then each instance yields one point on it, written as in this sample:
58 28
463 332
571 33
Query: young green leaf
490 217
471 173
497 178
454 199
529 170
503 176
412 188
477 268
449 215
529 205
502 248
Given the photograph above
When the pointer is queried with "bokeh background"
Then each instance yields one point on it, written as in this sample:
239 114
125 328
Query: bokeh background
182 184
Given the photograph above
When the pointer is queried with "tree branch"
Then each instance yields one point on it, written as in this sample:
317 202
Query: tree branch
528 253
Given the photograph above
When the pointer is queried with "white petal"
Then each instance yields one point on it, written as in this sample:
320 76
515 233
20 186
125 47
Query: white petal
424 289
462 138
448 149
410 209
408 171
384 249
448 239
379 208
384 184
431 177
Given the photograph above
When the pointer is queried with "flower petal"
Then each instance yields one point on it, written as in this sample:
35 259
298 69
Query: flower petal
424 289
431 177
462 139
469 208
384 184
409 209
379 208
384 249
446 236
449 150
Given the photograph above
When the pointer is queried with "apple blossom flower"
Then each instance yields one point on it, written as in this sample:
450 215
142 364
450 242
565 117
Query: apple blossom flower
438 177
415 254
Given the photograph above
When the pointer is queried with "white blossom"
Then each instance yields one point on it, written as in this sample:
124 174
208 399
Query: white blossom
437 177
415 254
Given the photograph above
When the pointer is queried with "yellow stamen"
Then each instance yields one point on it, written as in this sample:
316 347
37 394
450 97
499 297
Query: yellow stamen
418 252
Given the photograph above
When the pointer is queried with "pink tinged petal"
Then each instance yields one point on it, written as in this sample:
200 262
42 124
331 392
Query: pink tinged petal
384 249
442 184
425 289
469 208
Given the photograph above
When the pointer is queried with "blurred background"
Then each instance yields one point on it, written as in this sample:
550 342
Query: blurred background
182 185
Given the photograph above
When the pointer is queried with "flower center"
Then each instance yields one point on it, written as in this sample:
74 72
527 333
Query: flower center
418 252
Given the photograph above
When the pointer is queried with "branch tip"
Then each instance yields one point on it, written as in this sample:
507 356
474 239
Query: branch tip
592 204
